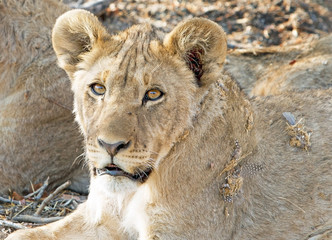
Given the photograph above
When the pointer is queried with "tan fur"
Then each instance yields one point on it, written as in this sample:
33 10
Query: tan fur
270 71
38 138
222 164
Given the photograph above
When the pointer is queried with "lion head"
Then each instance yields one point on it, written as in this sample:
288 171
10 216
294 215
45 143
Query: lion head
135 94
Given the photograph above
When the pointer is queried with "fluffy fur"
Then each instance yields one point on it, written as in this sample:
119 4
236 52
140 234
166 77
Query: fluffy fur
38 136
223 166
273 70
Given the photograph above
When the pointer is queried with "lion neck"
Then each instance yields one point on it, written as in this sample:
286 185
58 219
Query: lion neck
127 208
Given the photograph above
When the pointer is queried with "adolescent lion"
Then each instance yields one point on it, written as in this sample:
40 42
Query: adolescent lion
38 137
32 150
177 151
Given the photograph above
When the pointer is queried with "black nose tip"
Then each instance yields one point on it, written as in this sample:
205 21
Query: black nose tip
113 148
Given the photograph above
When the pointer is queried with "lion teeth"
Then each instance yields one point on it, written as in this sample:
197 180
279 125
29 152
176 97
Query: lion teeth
100 171
141 177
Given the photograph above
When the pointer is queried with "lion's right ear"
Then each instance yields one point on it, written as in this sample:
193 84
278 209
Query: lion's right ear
75 33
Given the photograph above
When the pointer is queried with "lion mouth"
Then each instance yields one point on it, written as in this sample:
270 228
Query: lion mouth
115 171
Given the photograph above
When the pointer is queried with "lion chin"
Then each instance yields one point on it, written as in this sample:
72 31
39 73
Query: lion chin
110 184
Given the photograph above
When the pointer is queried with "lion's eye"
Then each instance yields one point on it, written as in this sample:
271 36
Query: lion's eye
98 89
153 95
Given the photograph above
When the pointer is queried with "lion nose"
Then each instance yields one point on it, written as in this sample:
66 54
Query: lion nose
113 148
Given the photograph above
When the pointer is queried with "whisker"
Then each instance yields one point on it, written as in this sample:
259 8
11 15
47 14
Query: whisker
86 162
139 172
79 158
143 172
153 152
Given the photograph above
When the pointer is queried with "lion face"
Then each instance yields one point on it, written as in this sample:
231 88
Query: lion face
134 95
126 111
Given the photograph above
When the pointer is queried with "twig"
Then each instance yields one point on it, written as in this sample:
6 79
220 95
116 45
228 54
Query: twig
67 203
71 203
6 200
12 225
51 196
32 187
42 189
74 204
34 219
23 209
233 163
32 194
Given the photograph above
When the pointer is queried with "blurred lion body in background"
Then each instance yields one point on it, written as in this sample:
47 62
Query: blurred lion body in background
38 136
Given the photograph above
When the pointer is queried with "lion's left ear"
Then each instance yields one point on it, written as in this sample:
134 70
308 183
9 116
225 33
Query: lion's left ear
202 44
75 33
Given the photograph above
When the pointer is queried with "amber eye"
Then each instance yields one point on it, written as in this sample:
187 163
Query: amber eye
153 95
98 89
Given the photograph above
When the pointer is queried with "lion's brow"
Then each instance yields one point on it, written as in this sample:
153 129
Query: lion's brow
104 75
134 60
